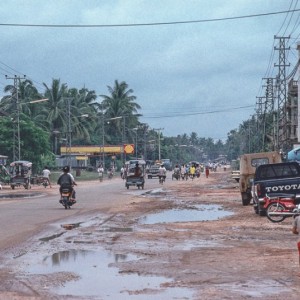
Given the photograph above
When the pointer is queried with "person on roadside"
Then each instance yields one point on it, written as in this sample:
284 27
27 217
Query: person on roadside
182 171
66 180
100 171
296 230
207 171
46 175
192 171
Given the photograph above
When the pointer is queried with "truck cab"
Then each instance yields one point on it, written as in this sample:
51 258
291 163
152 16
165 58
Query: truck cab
248 164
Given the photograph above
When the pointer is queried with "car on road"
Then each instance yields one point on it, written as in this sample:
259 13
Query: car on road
153 171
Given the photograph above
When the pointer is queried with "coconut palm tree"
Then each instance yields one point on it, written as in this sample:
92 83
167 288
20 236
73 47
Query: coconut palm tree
120 103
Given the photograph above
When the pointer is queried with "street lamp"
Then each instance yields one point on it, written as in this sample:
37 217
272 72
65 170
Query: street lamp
159 139
136 144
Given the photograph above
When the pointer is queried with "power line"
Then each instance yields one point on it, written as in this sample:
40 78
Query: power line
147 24
196 113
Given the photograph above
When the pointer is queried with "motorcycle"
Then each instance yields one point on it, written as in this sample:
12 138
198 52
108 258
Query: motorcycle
100 176
281 206
66 198
162 179
45 182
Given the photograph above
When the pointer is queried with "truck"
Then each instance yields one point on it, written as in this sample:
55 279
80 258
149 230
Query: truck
248 164
274 180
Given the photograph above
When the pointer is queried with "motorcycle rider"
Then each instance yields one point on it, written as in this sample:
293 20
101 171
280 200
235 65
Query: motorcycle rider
162 171
46 175
66 180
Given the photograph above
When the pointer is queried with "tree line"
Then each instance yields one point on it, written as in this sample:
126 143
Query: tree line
113 119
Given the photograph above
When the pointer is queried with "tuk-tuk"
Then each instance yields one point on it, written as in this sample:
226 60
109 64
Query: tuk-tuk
4 175
135 170
20 173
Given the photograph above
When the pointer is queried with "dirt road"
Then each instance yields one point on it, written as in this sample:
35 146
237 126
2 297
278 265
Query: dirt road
130 253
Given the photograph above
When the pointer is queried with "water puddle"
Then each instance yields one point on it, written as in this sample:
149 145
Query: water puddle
194 214
27 195
257 289
100 277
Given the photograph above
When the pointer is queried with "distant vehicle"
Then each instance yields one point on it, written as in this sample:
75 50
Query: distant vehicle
167 163
135 173
20 174
153 171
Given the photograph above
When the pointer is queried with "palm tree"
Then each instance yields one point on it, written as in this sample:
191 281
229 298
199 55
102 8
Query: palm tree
83 114
120 103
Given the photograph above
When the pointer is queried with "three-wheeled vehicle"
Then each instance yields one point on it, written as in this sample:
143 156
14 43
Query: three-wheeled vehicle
135 170
20 173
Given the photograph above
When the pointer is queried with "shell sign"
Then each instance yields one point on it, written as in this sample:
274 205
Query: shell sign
128 148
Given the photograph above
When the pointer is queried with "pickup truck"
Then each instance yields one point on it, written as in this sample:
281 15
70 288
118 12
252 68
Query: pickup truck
153 171
248 164
272 179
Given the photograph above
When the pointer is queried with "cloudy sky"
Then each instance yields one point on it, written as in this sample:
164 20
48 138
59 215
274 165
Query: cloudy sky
200 77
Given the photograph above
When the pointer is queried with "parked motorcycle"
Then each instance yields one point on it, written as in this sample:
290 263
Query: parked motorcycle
281 206
66 198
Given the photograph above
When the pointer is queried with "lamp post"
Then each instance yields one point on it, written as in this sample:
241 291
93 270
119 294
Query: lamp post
123 135
136 144
159 130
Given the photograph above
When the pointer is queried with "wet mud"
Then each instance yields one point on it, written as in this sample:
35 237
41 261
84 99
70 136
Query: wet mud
211 247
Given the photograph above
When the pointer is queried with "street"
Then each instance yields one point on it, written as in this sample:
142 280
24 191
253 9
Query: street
124 244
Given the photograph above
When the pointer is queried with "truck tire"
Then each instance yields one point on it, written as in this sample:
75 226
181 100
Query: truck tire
246 198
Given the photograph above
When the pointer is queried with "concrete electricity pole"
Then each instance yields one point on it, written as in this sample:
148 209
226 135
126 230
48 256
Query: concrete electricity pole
15 96
158 130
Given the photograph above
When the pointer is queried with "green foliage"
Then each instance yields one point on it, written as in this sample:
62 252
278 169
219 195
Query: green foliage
43 126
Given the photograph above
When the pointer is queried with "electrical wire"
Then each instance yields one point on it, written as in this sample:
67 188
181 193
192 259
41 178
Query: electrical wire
285 17
196 113
148 24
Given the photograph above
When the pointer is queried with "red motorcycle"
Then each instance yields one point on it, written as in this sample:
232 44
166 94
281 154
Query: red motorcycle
281 206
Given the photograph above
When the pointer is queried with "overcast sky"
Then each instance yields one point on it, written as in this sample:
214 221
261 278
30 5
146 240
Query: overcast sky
199 77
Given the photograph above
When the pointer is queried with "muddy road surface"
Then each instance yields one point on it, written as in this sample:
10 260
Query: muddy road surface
181 240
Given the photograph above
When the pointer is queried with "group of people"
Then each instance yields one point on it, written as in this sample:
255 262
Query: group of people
186 171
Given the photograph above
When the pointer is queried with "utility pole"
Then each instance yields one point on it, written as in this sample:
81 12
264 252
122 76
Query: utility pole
69 132
260 122
15 96
282 94
159 130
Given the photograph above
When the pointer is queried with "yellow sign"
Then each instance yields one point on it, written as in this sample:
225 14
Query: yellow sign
128 148
91 150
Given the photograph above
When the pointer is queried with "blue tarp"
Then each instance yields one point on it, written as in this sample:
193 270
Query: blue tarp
294 155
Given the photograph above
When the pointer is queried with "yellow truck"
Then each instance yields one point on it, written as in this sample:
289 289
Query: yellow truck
248 164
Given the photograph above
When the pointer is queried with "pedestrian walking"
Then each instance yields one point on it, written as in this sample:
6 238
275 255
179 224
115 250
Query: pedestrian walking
207 171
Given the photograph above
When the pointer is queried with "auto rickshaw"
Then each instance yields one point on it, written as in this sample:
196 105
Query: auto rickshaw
135 170
20 173
4 175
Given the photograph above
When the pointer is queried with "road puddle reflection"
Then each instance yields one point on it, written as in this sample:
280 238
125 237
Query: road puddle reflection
100 277
196 213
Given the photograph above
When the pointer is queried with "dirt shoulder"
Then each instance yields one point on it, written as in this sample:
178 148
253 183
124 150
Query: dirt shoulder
236 257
